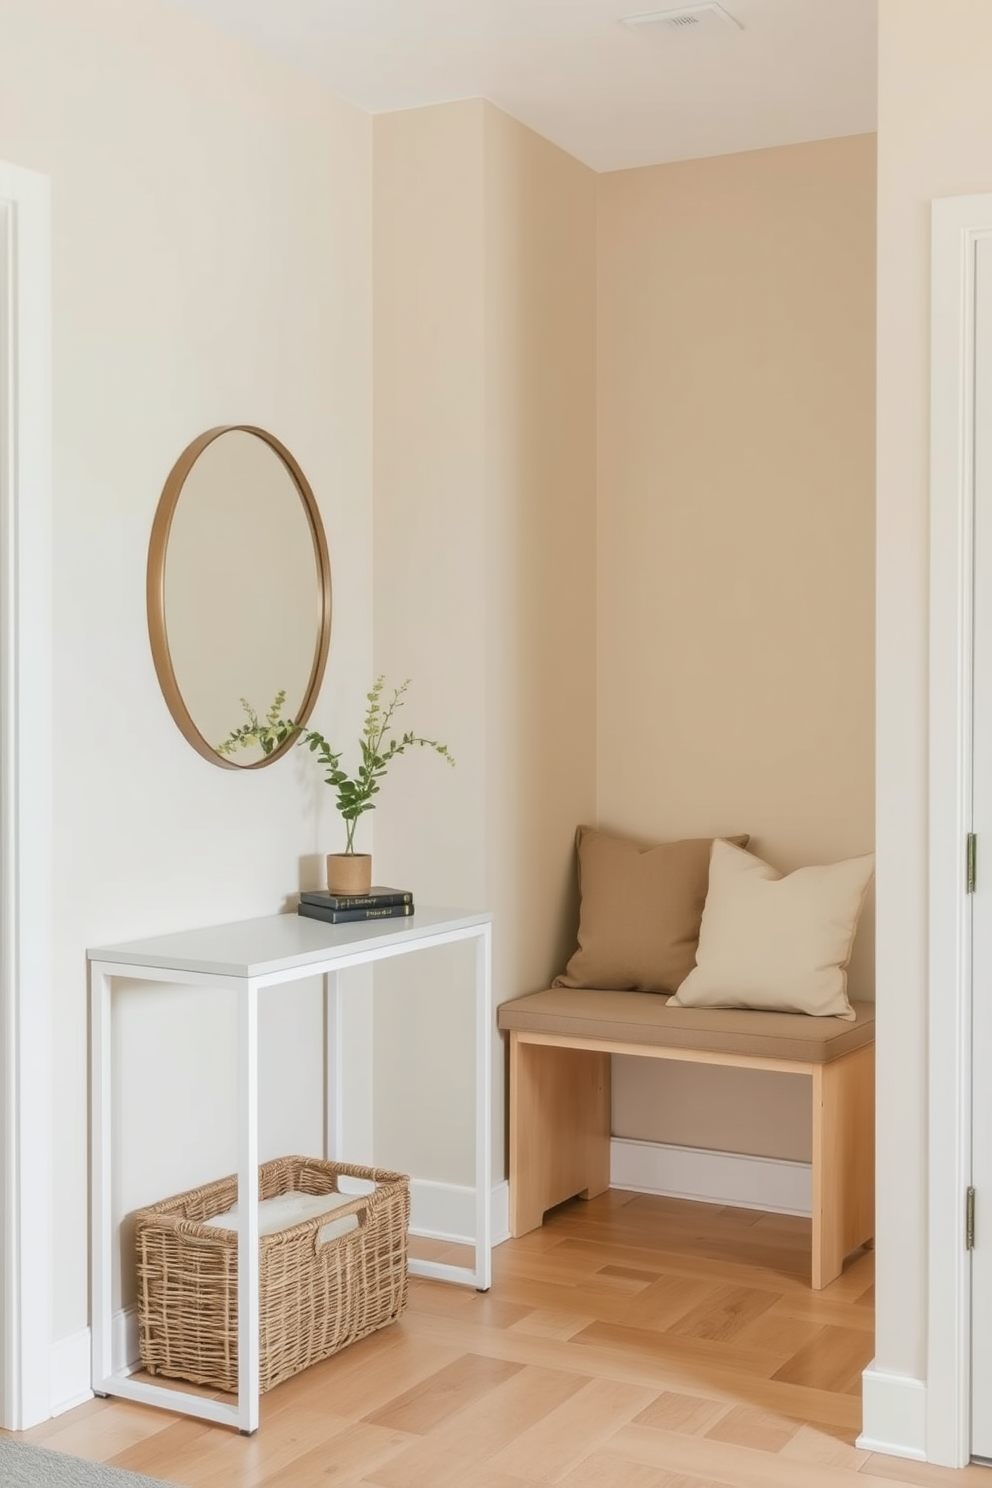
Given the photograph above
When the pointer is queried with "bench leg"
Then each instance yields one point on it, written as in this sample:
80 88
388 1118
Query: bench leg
843 1161
559 1128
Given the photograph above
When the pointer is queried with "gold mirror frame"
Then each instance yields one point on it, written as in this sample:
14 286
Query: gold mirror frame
158 635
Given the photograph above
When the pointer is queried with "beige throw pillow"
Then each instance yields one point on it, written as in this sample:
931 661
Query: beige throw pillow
773 941
639 911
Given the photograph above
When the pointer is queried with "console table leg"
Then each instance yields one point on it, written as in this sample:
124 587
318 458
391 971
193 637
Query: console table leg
333 1071
248 1341
102 1177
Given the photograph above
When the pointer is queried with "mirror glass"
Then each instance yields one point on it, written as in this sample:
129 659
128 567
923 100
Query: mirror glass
238 589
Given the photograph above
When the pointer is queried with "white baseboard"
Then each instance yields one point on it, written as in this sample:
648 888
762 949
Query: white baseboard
71 1364
125 1345
894 1415
69 1372
446 1211
715 1177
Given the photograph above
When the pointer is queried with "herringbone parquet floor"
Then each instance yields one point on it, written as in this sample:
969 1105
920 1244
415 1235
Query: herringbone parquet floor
631 1342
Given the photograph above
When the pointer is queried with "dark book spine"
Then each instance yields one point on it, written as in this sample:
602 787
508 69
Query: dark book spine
356 901
343 916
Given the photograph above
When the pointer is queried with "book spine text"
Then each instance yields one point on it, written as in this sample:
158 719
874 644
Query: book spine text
344 916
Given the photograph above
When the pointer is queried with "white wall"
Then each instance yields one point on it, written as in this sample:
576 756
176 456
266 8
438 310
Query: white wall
211 263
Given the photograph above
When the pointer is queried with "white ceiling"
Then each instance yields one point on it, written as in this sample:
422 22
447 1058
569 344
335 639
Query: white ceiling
614 96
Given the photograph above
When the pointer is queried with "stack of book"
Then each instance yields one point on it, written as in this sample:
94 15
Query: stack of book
339 909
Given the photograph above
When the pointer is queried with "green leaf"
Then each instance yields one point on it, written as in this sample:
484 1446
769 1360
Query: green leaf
377 749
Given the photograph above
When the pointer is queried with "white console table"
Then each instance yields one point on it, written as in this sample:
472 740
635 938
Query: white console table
246 957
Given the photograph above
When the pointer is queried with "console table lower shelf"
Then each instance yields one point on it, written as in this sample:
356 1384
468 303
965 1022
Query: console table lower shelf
247 957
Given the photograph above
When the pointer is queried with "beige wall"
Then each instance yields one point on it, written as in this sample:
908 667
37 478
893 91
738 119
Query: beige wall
934 140
211 264
484 567
735 542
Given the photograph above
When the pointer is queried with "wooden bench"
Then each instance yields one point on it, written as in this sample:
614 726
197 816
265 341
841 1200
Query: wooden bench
561 1043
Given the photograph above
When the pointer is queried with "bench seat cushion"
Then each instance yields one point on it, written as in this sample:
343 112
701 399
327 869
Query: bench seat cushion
645 1018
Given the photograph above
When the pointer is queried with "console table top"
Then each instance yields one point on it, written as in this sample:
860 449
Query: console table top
282 942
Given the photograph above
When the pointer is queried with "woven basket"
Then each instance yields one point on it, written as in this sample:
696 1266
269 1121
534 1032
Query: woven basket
313 1298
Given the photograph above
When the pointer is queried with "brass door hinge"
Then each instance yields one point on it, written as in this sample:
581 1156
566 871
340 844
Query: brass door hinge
971 851
969 1220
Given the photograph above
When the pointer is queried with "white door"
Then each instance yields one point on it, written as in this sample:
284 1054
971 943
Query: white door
981 1265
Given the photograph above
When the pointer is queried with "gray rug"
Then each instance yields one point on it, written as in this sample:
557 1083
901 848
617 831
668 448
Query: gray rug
26 1466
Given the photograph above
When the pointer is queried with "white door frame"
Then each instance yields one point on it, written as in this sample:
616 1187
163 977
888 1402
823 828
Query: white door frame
957 223
25 797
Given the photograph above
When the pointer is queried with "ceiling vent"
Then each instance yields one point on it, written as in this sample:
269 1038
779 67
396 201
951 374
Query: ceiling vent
687 19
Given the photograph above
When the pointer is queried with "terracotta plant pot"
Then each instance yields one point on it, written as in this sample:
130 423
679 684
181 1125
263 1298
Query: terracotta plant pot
349 873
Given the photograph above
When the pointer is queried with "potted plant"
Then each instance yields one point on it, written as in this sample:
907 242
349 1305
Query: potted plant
348 872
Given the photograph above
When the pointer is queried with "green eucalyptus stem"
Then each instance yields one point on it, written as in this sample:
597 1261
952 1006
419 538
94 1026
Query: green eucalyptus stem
353 793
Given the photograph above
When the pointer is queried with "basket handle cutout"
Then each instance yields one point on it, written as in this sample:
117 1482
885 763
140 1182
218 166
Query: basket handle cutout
362 1215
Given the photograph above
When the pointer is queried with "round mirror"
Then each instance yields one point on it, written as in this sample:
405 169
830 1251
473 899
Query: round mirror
239 589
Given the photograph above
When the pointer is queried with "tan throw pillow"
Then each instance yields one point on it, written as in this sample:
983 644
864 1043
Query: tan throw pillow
639 911
773 941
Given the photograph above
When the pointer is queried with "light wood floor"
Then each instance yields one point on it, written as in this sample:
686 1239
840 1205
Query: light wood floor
632 1342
